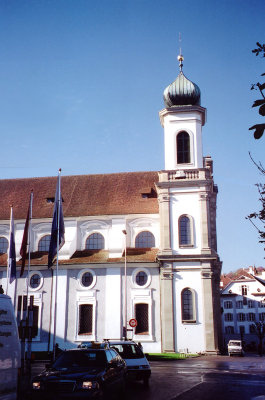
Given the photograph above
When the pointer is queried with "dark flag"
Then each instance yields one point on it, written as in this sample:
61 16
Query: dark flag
57 224
24 244
12 250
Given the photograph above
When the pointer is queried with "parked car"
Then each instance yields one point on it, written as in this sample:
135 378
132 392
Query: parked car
137 363
10 357
235 347
91 373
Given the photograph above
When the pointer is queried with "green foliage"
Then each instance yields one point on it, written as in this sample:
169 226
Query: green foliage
259 128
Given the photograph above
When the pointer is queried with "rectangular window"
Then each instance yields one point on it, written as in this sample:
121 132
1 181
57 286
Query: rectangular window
241 329
262 316
142 317
262 304
252 329
228 317
229 329
228 304
241 317
239 304
251 303
251 317
85 319
244 290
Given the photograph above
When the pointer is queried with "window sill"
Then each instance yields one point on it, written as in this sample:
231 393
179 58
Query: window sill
184 246
189 322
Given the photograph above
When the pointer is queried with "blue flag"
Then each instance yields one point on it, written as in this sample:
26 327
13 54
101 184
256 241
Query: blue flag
57 241
12 250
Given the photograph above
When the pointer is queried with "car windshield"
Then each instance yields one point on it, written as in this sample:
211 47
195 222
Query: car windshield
234 343
129 350
80 360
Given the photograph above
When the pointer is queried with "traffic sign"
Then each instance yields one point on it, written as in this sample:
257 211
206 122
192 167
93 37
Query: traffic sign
133 322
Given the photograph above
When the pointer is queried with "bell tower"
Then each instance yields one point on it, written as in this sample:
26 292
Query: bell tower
189 264
182 120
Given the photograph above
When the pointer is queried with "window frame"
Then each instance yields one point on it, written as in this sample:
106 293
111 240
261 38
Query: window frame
102 239
229 317
191 233
27 283
229 330
134 278
152 236
7 243
185 152
41 239
239 304
244 290
226 303
80 275
251 316
241 317
90 331
147 332
193 304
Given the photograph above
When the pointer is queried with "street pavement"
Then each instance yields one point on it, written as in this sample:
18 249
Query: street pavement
205 377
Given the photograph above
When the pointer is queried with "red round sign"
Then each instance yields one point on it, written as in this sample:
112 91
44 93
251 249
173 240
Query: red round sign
133 322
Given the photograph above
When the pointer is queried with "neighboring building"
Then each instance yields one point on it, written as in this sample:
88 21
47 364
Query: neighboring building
243 304
173 270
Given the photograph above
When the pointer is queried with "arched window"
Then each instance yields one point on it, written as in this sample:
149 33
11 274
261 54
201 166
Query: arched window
44 243
188 305
144 239
185 231
95 242
183 148
3 245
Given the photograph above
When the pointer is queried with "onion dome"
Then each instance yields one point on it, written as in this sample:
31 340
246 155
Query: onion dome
182 92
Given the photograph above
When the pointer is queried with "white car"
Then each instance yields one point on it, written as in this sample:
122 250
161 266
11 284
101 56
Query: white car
235 347
137 364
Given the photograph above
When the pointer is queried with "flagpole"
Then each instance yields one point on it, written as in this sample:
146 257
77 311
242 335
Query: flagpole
7 267
29 260
56 278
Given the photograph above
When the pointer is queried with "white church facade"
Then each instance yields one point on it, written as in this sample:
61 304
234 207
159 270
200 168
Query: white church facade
165 219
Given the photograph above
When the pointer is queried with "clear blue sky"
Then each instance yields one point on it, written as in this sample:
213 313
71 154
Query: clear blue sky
81 85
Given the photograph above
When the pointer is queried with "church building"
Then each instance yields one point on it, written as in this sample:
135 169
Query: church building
141 240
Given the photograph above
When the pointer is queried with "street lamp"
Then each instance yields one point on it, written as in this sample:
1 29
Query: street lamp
125 286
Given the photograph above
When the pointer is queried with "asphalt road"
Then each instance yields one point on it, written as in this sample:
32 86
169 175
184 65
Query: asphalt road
205 377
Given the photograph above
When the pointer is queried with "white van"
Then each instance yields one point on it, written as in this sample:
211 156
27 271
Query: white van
235 347
10 357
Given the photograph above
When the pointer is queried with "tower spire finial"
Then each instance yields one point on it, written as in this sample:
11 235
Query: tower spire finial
180 56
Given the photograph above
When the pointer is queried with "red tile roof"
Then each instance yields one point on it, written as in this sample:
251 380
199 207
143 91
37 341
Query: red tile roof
83 195
89 256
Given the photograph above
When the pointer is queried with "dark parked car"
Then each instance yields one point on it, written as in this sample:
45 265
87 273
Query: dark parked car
91 373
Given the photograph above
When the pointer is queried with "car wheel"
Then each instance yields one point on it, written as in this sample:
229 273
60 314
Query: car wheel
146 382
100 395
122 391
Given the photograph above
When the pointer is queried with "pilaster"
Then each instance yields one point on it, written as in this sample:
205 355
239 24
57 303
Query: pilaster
210 318
205 223
164 212
167 312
